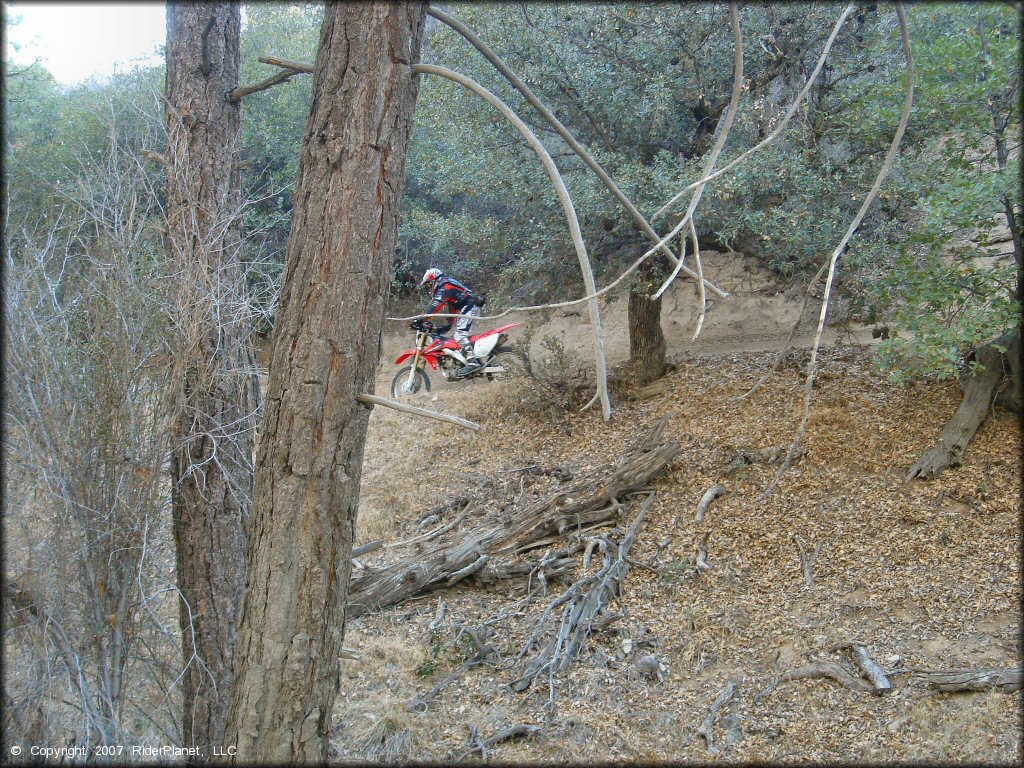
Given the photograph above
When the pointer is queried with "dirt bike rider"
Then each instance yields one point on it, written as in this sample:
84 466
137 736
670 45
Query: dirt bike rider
448 295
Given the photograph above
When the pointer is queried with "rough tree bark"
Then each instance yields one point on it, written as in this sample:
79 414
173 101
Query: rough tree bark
324 353
211 461
646 339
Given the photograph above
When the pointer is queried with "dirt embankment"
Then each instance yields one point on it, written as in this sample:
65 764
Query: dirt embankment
757 316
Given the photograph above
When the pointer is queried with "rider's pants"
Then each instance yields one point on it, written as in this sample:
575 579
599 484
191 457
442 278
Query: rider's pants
465 323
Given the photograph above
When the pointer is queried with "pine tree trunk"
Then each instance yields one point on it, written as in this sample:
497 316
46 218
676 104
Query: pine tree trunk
211 461
325 351
646 339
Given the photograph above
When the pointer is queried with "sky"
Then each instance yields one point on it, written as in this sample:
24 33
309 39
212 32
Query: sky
76 41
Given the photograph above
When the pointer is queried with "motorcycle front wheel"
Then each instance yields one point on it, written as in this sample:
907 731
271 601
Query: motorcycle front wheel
402 387
516 365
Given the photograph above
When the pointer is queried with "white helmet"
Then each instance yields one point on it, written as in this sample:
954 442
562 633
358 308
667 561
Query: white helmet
430 278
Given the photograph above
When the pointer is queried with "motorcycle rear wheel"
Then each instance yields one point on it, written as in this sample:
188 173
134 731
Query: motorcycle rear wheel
421 383
516 365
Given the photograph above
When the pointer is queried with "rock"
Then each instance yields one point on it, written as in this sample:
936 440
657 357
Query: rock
650 667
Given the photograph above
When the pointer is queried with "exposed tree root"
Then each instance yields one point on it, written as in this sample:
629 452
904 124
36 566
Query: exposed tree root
1005 680
979 391
706 731
710 495
482 745
828 669
807 559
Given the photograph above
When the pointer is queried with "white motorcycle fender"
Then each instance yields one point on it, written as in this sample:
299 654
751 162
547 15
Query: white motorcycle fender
482 348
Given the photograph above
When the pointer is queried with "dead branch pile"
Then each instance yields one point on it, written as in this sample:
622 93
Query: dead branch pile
588 504
584 601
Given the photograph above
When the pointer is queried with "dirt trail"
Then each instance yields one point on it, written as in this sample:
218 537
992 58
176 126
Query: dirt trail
757 316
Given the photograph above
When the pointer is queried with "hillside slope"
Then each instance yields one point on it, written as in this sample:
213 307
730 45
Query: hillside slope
927 575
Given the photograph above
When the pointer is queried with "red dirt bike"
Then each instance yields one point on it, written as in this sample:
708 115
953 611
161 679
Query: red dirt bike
444 355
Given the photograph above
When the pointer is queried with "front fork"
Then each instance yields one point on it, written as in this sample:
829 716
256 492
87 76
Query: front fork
421 342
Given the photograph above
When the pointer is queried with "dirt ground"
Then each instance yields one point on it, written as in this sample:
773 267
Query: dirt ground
926 575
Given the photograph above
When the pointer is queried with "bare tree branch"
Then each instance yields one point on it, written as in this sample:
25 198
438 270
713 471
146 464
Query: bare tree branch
709 164
563 132
833 261
372 400
240 93
774 134
567 207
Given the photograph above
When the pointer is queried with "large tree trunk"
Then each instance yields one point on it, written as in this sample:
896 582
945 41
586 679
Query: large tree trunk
646 339
211 461
325 351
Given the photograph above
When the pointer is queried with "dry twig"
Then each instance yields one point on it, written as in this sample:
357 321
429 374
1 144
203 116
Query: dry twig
707 729
807 560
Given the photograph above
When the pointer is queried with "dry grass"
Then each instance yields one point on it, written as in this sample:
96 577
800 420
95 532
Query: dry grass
386 736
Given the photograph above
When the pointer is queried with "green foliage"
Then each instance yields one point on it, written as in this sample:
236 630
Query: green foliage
951 287
676 572
56 138
441 651
949 307
558 381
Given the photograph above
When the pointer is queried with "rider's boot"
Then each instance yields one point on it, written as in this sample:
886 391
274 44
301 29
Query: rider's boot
472 361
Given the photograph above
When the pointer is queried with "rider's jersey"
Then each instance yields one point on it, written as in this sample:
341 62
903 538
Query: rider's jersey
451 296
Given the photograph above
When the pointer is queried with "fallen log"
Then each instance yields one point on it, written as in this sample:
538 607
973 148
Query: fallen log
548 568
957 680
587 504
